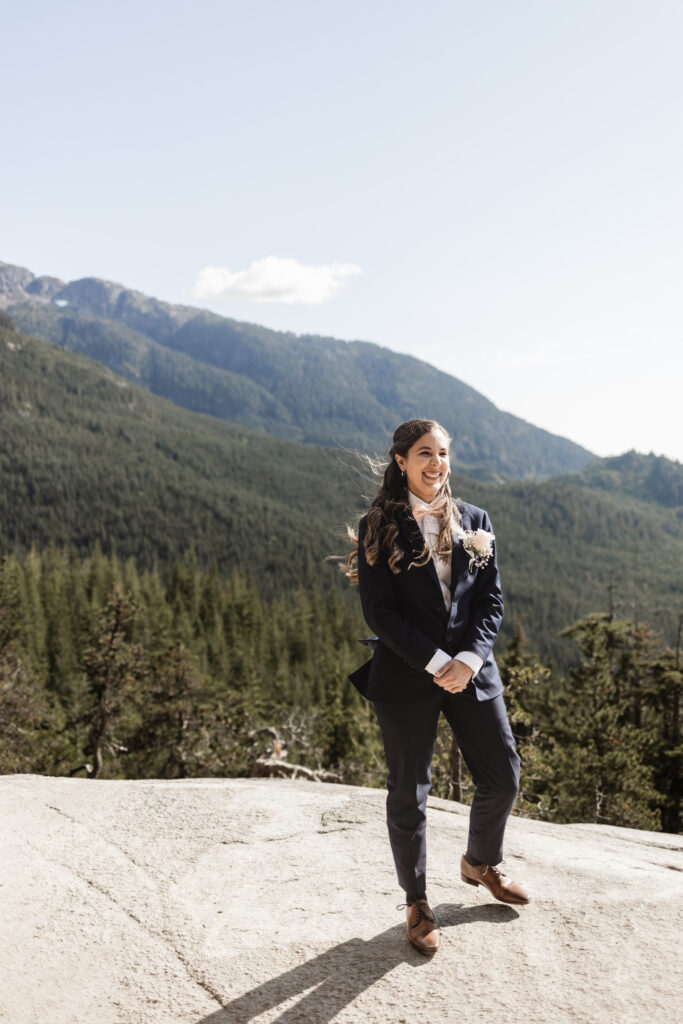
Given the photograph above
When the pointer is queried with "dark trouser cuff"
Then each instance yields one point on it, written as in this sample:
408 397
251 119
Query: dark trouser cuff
413 897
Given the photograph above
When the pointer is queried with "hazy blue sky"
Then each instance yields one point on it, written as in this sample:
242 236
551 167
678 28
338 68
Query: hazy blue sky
493 187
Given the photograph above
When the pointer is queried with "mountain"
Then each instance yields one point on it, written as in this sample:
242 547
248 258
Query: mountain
86 456
303 388
651 478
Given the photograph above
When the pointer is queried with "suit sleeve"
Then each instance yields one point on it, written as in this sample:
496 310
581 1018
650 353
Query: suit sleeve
382 613
486 611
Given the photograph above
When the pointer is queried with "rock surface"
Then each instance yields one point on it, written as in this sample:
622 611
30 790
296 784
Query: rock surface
223 901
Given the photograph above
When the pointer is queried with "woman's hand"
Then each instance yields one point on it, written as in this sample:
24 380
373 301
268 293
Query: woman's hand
454 676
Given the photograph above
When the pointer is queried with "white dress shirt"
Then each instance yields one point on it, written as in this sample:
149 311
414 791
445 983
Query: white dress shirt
429 527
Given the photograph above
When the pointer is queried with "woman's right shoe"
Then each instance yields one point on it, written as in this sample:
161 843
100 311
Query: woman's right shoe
421 927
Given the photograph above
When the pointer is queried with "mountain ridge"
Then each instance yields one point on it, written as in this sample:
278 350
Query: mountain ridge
307 388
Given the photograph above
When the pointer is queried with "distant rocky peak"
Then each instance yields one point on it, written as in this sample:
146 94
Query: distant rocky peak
95 297
90 295
13 284
45 287
17 284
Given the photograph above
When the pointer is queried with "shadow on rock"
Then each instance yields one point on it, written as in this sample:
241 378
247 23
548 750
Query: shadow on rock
341 973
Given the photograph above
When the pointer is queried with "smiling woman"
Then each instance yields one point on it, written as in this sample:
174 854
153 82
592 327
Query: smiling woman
429 588
427 464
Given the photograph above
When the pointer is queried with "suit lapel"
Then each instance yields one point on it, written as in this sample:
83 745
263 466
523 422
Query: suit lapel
459 560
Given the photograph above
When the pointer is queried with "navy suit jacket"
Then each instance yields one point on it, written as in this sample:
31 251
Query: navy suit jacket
407 612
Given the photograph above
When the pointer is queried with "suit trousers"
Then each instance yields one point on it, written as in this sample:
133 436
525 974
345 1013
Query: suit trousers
483 733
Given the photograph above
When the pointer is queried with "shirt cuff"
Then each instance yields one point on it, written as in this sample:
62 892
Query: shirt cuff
470 659
438 660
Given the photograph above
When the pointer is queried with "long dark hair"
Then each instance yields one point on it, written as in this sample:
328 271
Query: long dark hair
391 502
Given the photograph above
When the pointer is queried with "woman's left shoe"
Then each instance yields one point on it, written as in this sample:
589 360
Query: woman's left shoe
421 927
498 884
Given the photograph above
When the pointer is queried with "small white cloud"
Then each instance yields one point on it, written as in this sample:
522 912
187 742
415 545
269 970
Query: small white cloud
273 279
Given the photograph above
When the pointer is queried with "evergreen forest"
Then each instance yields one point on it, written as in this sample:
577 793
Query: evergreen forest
109 672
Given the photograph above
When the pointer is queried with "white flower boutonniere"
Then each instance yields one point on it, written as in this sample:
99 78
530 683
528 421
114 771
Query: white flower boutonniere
478 544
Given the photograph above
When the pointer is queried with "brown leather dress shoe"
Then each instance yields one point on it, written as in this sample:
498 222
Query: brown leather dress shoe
498 884
421 927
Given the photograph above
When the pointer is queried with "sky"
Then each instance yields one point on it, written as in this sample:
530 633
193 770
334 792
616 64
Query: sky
496 188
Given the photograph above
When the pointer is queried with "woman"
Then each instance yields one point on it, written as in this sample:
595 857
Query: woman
430 589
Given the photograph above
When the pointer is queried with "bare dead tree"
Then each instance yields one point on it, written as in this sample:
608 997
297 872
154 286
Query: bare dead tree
274 765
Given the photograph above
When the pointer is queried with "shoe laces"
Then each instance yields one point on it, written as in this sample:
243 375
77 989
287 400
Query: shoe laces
499 875
423 910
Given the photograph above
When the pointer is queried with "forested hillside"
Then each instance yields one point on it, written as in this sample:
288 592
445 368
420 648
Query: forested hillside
650 478
86 456
303 388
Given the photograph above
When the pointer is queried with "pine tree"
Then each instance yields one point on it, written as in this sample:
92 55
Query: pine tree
599 771
663 696
186 728
112 666
528 688
30 737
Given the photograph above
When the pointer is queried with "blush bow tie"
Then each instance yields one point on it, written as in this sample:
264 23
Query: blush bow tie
437 508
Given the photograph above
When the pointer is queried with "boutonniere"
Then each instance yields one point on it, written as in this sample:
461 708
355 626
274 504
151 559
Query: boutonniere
478 544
